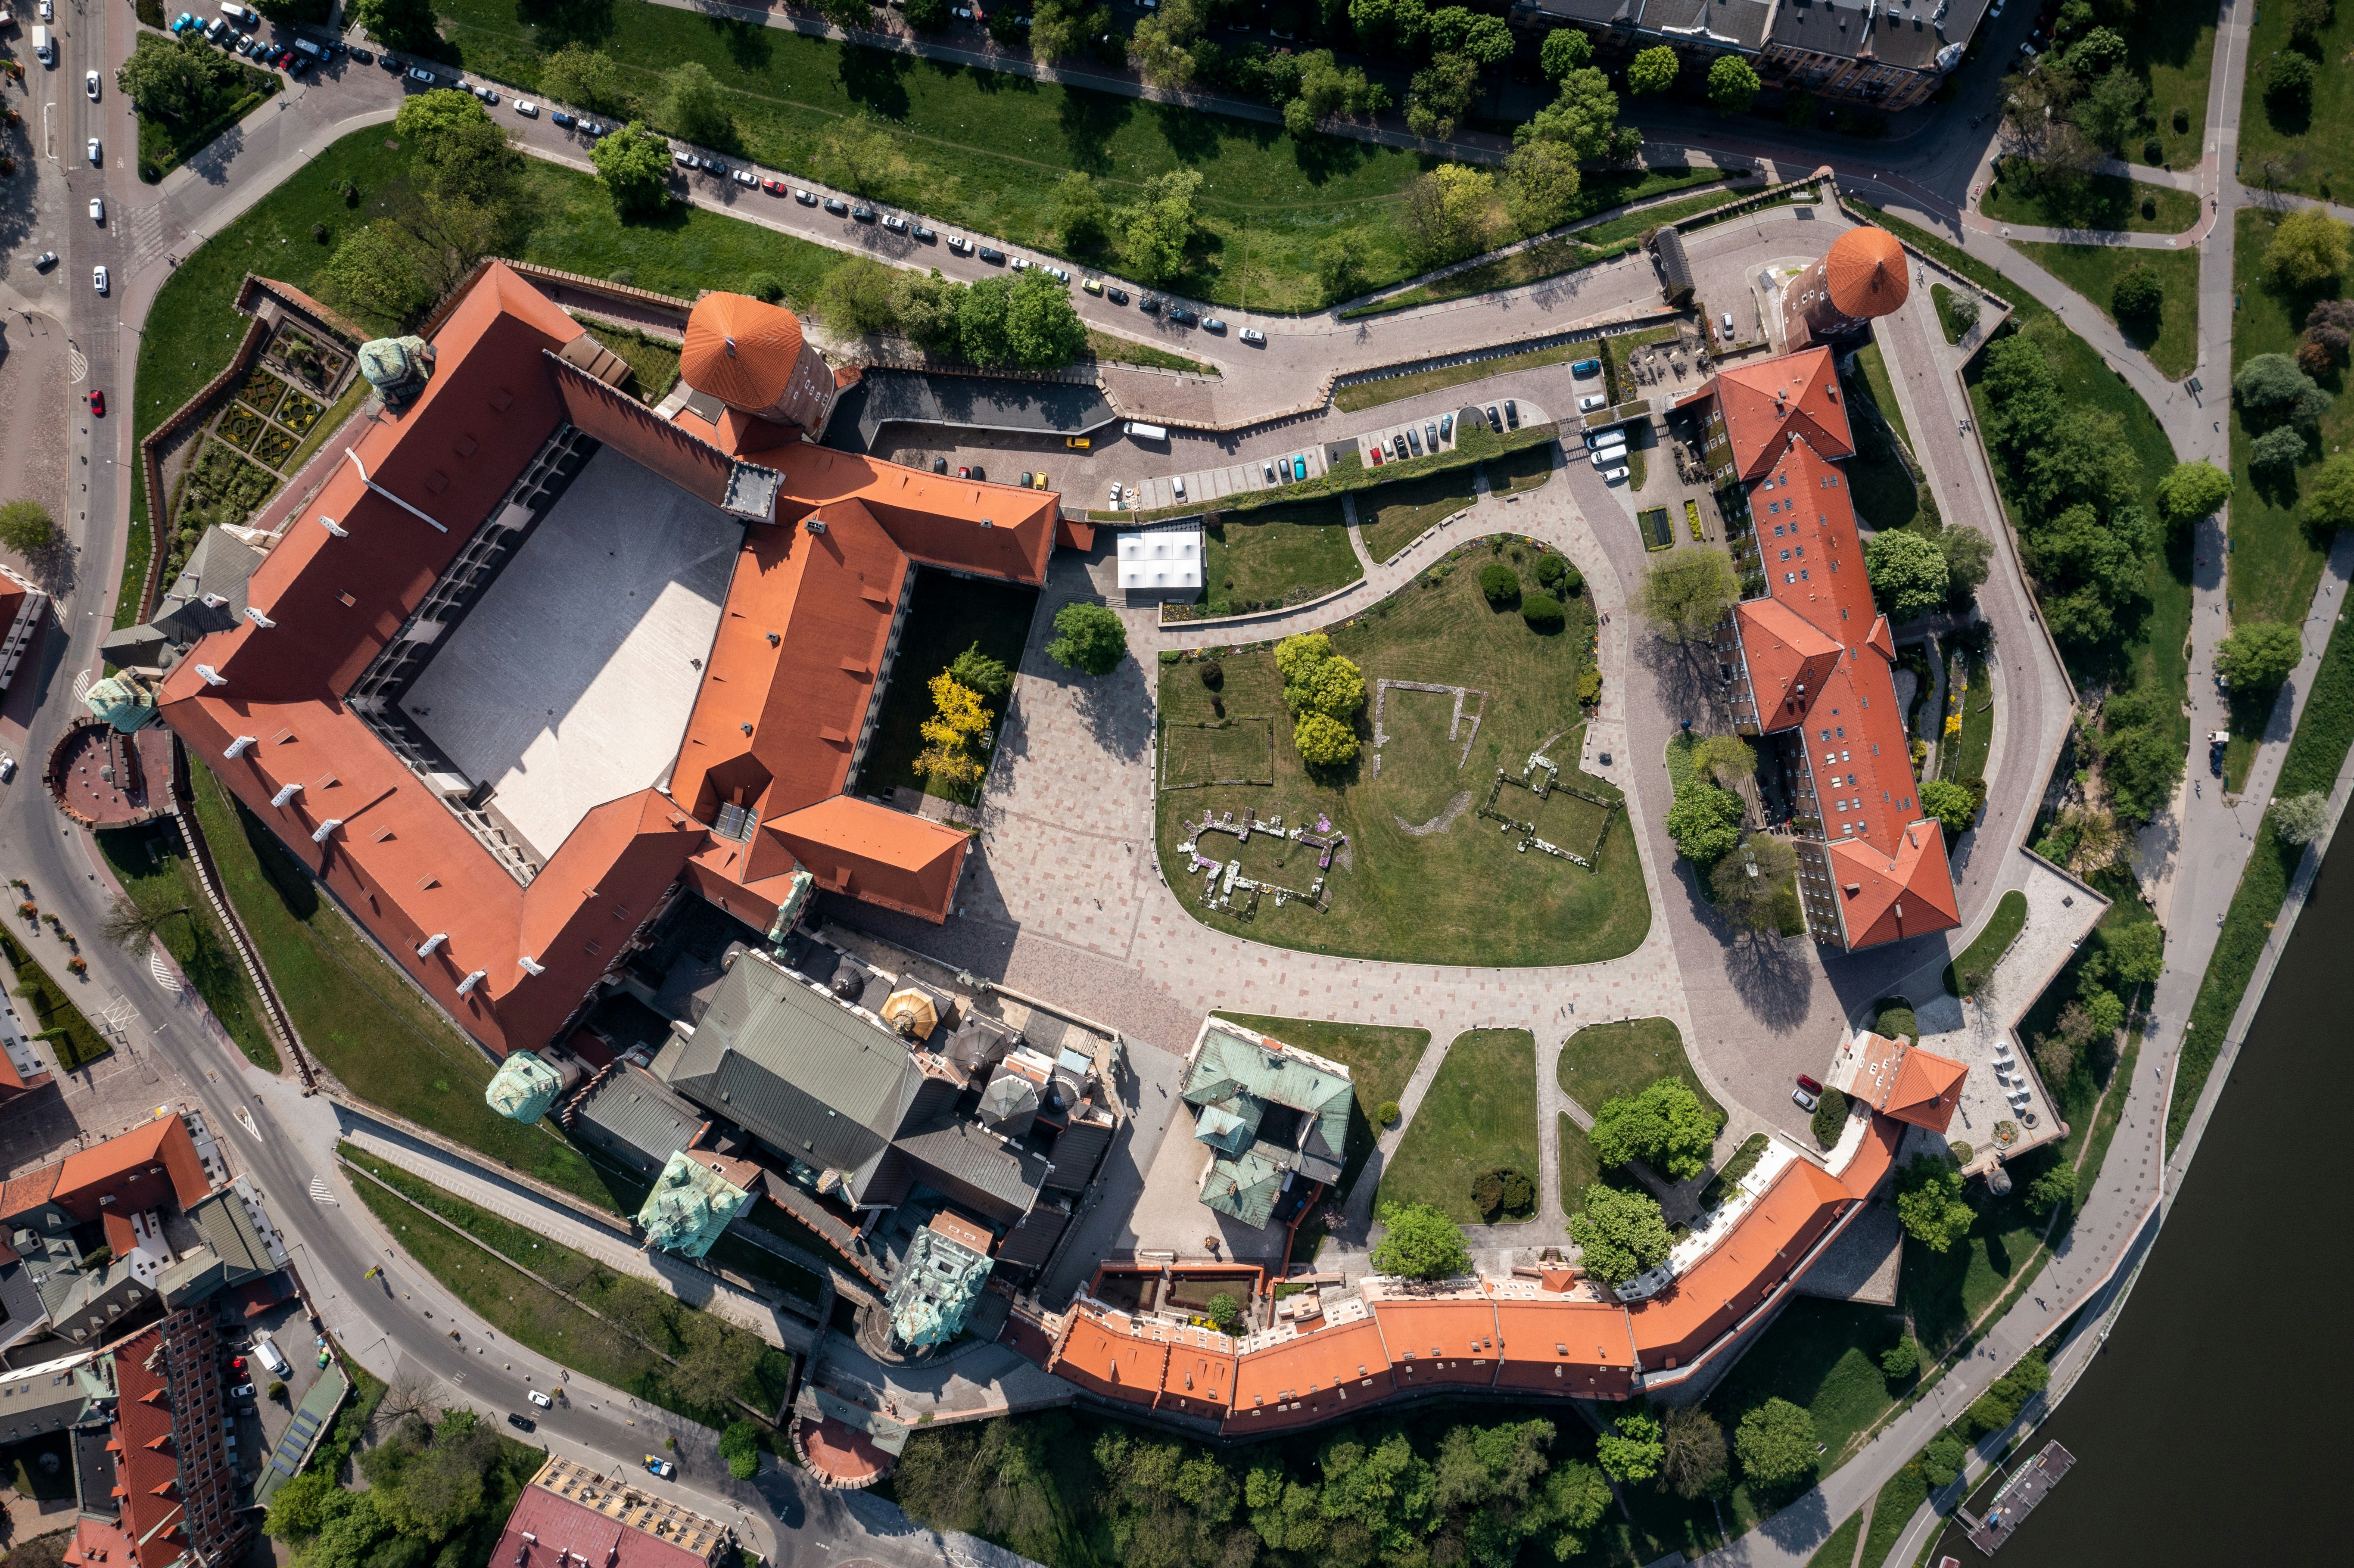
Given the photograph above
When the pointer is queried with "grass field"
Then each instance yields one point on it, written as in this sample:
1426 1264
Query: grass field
1944 298
2092 271
1517 473
1823 1356
1884 391
1480 1115
1966 757
50 1007
1901 1496
1580 1166
2172 49
1838 1551
1102 345
356 1014
946 615
529 1312
1603 1062
156 874
1456 895
2102 202
1277 555
2282 150
2275 560
653 364
1239 747
1886 495
1394 515
1380 1060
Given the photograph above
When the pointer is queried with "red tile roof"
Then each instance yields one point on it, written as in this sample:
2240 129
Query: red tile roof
1320 1374
135 1171
1672 1328
557 1526
741 350
1865 273
1438 1342
885 857
147 1467
1797 395
1888 897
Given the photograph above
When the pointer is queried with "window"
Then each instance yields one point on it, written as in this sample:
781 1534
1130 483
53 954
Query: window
1785 554
1842 730
1827 734
1789 576
1802 574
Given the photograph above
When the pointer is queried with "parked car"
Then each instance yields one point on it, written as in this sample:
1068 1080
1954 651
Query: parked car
539 1399
97 403
686 160
895 224
1115 497
807 198
594 128
526 108
1182 316
1283 467
960 244
979 473
923 235
385 62
1614 475
862 215
940 465
1025 479
1809 1084
1511 414
522 1423
366 56
1398 447
1092 285
1586 368
1177 487
1117 296
1805 1101
991 255
98 209
420 74
1447 426
714 168
1021 263
1494 423
1414 440
45 260
1213 324
1728 326
1591 401
1079 443
836 205
1377 454
1430 434
1254 337
1270 468
242 1390
775 187
488 95
559 117
1149 303
1038 481
746 177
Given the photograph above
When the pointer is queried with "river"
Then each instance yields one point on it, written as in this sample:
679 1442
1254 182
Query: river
2213 1428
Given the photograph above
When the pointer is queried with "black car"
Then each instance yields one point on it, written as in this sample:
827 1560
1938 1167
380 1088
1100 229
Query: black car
863 214
993 257
1398 447
1512 413
940 465
1117 296
926 236
1182 316
979 471
1150 304
1494 423
522 1423
385 62
362 55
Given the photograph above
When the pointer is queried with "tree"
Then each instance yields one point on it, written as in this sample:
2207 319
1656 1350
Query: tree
1446 214
1541 184
396 24
1389 27
1440 94
1060 28
1900 1359
860 296
373 273
1162 45
860 152
698 104
1953 807
1582 117
1725 759
1500 583
983 335
2308 248
1317 681
2278 450
2098 52
1338 270
1619 1233
2110 109
2329 493
1323 741
1764 898
455 149
1688 593
1693 1452
2137 295
1154 232
1484 40
1631 1447
2192 490
1776 1441
25 529
1080 212
168 81
634 163
957 717
2289 89
1042 329
1565 49
2258 656
1666 1127
1942 1460
977 671
1705 822
1969 555
1907 572
1326 90
715 1371
739 1445
2307 17
1929 1203
1087 638
586 78
1654 71
1732 85
2056 1185
1420 1242
929 16
2301 819
1225 1312
132 926
2273 390
929 308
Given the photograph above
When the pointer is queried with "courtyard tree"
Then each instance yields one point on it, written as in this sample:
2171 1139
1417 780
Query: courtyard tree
1420 1242
2301 819
977 670
2137 295
1666 1127
1541 184
1691 1452
1687 595
1900 1359
1631 1447
1725 759
1620 1233
1776 1441
2191 491
25 527
634 163
1929 1203
1756 887
2259 655
2329 500
1953 807
2308 248
1088 637
957 718
1907 572
1705 822
585 77
1732 85
1652 71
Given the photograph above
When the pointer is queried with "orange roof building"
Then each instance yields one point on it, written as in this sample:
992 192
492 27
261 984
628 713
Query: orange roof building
127 1174
1862 275
1813 663
705 607
175 1492
1899 1080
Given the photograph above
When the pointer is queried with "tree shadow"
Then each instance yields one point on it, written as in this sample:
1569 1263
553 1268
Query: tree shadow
1772 975
1090 121
877 79
1192 135
561 22
1324 159
751 47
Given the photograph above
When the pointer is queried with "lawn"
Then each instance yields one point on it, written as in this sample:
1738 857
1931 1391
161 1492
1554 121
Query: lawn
1380 1060
531 1314
1884 391
2101 202
1580 1166
2172 49
1824 1357
1102 345
1480 1115
2282 150
358 1016
1966 757
1358 396
2275 561
1884 491
653 364
165 145
81 1044
1394 515
2010 917
157 874
1945 298
1838 1551
1276 554
946 615
1947 1292
1517 473
1456 892
1901 1497
984 150
2092 271
1603 1062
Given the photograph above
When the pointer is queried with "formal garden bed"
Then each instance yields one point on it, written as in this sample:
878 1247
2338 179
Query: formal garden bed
1421 877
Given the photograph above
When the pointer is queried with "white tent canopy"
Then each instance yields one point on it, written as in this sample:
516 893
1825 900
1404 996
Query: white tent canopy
1162 558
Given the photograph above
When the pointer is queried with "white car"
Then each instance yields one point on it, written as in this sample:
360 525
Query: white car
48 10
1059 274
894 223
97 153
686 160
98 279
539 1399
960 244
1268 469
98 209
1115 496
1612 475
1021 263
1254 337
1591 401
1804 1101
746 177
488 95
418 73
90 85
807 198
526 108
1177 487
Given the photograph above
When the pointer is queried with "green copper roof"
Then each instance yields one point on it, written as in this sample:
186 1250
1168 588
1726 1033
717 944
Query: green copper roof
933 1293
1245 1186
122 700
689 1206
1231 1066
524 1088
1224 1130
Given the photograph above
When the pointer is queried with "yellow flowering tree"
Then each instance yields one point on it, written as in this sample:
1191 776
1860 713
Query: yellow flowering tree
957 716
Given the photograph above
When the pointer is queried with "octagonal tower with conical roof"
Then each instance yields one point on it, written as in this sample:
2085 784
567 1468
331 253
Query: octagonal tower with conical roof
755 358
1862 275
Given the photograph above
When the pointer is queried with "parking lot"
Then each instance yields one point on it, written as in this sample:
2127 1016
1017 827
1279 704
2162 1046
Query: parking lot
262 1421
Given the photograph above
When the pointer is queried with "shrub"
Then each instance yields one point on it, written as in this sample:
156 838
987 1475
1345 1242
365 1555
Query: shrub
1942 1460
1900 1359
1487 1192
740 1446
2151 151
1500 583
1589 686
1214 675
2138 294
1961 1151
1225 1312
1830 1117
1542 612
1386 1114
1551 570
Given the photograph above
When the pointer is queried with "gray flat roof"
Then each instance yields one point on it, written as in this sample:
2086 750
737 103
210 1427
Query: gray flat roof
568 683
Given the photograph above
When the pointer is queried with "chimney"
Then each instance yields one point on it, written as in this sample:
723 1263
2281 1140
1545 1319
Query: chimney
285 794
530 966
258 619
331 526
212 677
466 986
237 748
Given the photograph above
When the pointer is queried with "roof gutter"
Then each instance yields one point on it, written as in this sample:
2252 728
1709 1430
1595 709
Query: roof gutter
387 494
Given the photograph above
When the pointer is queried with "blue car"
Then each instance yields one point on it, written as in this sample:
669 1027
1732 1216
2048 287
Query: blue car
1182 316
561 118
182 23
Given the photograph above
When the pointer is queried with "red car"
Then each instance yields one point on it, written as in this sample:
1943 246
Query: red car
285 57
97 404
1808 1085
774 187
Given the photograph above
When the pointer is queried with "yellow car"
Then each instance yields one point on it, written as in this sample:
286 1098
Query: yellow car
1079 443
1092 285
1039 482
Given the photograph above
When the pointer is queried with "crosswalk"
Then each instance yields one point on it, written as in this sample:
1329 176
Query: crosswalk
142 229
323 1194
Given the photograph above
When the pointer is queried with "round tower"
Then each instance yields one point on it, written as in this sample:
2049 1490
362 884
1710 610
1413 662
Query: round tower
1862 275
755 358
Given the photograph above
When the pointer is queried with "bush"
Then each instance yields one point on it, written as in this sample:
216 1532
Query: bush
1505 1190
1500 583
740 1446
1830 1117
1386 1114
1942 1460
1900 1359
1551 570
1542 612
2138 294
1214 675
1225 1312
1589 686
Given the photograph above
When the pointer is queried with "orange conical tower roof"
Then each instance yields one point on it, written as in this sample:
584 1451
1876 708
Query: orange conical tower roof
1864 272
1927 1088
740 351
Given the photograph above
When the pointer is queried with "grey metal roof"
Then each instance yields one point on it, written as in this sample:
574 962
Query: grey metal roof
229 1229
1730 24
1597 12
968 1161
631 1109
219 566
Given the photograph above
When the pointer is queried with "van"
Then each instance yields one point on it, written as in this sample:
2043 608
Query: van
243 16
304 46
266 1349
41 51
1144 432
1610 457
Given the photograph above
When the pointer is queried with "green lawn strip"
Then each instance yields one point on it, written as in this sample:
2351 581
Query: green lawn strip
1944 298
1948 1293
2092 271
1966 757
1901 1497
2106 202
1380 1060
1884 391
1603 1062
1823 1356
1639 468
157 874
1744 1159
2172 49
653 364
1358 396
1664 1523
358 1016
1885 493
1990 945
81 1044
1517 473
2315 753
1111 350
1546 259
1270 556
1838 1551
975 148
1580 1166
1394 515
1460 895
533 1315
2276 562
946 615
1480 1115
2311 154
2150 652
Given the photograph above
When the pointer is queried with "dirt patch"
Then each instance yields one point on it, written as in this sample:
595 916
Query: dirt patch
1439 823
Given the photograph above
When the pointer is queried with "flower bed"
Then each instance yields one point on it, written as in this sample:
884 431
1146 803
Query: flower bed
273 446
298 413
262 390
